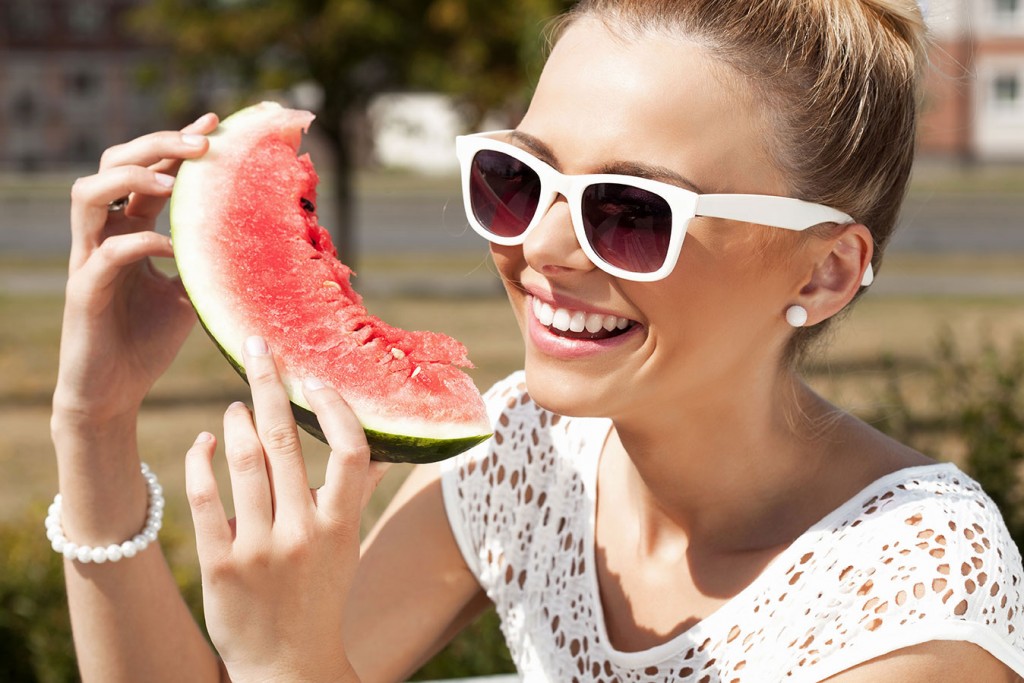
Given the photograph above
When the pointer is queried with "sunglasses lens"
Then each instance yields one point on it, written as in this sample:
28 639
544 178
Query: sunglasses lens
503 192
627 227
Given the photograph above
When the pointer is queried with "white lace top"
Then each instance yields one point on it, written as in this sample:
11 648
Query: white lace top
919 555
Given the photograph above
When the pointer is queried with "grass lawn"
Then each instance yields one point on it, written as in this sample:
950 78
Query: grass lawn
191 397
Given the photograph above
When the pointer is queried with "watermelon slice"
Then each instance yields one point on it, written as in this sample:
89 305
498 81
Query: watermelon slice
254 260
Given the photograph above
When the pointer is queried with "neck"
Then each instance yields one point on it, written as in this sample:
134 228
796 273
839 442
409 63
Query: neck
722 470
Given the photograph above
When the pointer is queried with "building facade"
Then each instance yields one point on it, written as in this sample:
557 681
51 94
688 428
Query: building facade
974 107
72 82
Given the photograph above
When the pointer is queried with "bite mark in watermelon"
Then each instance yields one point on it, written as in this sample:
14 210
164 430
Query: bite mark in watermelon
255 260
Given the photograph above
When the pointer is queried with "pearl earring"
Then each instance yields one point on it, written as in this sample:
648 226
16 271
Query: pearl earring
796 316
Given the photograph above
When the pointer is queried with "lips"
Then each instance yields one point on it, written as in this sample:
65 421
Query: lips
578 324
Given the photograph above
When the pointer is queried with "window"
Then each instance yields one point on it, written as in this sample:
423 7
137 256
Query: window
1007 10
83 148
24 110
28 19
83 83
1006 92
85 19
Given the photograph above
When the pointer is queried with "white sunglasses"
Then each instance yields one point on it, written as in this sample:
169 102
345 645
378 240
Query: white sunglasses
629 227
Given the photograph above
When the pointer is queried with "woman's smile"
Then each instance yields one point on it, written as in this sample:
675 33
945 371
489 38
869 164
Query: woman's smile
574 332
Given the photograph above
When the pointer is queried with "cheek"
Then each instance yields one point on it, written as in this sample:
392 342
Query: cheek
509 263
723 291
508 260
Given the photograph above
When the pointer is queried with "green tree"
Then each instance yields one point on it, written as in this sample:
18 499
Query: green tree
486 53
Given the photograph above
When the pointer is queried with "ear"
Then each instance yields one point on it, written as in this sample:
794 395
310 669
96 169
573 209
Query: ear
842 266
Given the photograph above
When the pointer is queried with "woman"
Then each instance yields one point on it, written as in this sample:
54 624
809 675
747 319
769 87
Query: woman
663 499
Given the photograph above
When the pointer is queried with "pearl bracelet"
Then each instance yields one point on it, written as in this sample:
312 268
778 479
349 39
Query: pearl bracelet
114 551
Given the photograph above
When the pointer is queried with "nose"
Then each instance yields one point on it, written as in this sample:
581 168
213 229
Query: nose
551 248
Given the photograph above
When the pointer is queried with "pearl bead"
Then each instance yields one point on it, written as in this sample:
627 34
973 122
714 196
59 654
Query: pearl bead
796 316
115 551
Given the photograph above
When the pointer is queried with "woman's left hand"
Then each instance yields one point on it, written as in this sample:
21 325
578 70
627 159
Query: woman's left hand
277 577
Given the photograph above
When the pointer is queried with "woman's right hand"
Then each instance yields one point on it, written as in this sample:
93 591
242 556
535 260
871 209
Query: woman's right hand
124 321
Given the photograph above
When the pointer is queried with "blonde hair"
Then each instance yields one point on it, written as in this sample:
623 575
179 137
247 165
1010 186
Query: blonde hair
840 79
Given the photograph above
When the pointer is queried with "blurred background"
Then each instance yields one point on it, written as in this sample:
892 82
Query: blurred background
934 354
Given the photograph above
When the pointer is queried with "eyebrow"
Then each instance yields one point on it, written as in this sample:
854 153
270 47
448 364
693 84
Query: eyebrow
634 168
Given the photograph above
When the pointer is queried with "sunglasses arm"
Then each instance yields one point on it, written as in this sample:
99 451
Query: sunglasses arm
778 212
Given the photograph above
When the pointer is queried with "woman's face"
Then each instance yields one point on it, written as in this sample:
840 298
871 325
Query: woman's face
610 105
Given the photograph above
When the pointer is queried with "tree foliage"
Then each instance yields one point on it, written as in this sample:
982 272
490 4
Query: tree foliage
483 52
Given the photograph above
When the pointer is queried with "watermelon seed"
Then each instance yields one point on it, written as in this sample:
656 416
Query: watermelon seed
307 205
415 372
398 353
332 283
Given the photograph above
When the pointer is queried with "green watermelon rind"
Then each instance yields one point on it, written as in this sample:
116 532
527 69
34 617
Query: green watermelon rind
385 446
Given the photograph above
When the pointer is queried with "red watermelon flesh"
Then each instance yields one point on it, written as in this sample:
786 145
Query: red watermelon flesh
255 260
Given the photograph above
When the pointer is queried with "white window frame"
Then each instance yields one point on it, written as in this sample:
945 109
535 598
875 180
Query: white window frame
1005 20
1005 108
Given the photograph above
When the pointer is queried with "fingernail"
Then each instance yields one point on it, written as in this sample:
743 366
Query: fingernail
313 384
192 139
202 119
256 346
204 437
165 180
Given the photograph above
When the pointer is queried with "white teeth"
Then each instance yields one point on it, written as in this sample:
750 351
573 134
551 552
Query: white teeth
544 312
564 320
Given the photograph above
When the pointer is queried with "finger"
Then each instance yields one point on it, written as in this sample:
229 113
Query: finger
250 487
192 136
148 207
213 534
154 148
110 260
90 197
204 125
339 501
275 424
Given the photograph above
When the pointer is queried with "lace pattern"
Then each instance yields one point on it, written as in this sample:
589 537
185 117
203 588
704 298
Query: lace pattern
919 555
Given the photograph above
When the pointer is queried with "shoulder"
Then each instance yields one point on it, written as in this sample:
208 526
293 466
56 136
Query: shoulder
922 557
936 546
953 662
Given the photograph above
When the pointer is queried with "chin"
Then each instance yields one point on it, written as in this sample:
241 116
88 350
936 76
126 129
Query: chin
564 390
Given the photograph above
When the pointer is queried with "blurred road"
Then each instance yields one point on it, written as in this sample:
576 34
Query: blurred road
432 221
386 222
977 224
409 218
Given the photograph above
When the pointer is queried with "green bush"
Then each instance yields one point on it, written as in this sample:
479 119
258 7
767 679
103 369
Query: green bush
479 650
978 396
982 393
35 630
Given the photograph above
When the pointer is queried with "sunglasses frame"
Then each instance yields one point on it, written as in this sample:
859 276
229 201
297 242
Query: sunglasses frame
778 212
